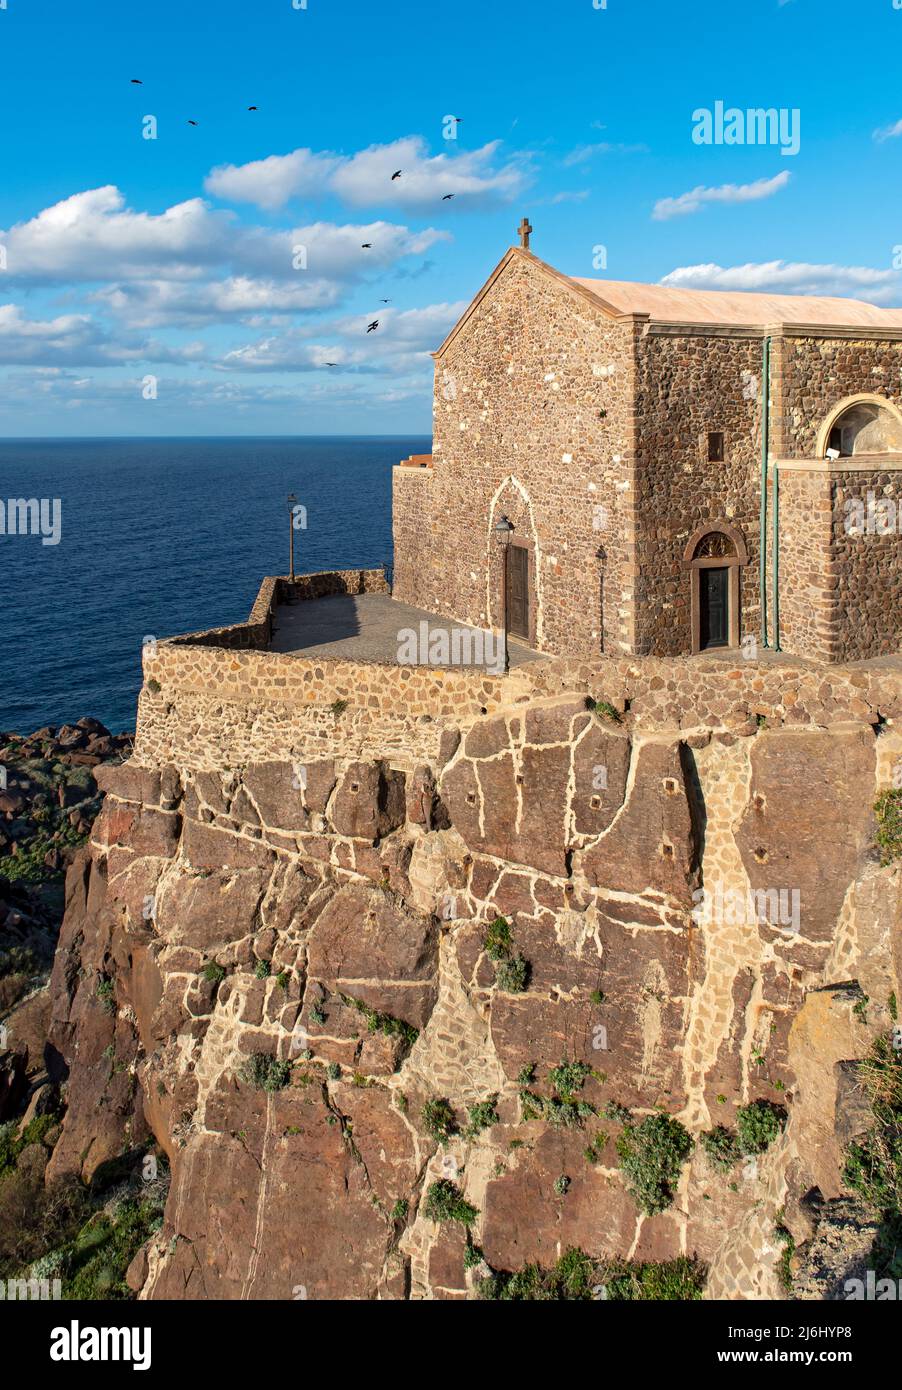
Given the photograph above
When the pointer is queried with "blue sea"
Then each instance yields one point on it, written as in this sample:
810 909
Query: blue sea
161 536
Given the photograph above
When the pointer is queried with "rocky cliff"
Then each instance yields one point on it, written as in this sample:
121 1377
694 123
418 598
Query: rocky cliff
586 982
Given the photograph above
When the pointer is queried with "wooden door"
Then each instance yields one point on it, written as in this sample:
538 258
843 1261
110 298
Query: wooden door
518 591
714 607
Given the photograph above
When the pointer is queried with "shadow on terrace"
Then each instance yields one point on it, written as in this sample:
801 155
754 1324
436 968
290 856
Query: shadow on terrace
350 615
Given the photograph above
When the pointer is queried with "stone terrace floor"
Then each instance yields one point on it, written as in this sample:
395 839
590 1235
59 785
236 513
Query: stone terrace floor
361 627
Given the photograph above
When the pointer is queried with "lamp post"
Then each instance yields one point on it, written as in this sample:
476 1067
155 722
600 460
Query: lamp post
503 530
292 499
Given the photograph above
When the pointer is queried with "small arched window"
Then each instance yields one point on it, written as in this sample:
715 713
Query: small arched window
714 545
863 425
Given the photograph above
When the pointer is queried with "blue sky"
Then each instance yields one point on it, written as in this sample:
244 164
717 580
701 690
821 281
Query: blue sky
154 286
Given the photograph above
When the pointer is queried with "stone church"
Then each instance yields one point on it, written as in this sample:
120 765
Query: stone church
683 469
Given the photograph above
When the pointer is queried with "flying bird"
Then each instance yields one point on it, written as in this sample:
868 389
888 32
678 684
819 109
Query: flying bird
192 122
136 82
373 326
396 175
385 301
331 364
366 246
447 196
252 108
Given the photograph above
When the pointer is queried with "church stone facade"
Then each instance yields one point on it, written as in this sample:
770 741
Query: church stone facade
683 470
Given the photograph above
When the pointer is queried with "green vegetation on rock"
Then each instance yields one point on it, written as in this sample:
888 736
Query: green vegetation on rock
446 1202
438 1117
579 1278
758 1125
888 810
652 1155
266 1073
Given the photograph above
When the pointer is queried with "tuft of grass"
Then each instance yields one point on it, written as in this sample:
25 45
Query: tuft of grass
262 970
512 974
213 972
888 810
438 1117
758 1125
384 1023
603 709
446 1202
483 1114
721 1148
265 1073
873 1165
578 1278
338 707
652 1155
105 992
562 1110
569 1077
497 942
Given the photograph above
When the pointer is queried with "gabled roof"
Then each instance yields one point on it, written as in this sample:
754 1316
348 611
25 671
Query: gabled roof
622 299
668 304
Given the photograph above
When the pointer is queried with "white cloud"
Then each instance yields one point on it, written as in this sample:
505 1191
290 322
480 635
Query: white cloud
583 153
271 182
888 132
365 178
697 198
403 341
789 277
75 339
93 236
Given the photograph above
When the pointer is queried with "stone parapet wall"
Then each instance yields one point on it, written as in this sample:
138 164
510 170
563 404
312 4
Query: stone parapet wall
205 706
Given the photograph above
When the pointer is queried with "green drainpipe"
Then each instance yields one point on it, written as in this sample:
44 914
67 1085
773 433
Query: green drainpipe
765 445
776 560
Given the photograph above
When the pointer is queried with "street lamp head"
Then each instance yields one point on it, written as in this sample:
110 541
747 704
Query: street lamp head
292 498
503 529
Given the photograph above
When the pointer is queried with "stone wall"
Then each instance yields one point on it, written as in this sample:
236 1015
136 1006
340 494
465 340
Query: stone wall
214 707
311 882
690 385
840 562
817 373
532 418
591 435
866 563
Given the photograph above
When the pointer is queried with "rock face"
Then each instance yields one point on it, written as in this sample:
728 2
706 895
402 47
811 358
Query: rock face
272 968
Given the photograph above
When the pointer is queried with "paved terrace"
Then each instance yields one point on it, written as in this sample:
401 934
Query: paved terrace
366 627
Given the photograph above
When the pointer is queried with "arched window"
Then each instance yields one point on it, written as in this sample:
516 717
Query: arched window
861 425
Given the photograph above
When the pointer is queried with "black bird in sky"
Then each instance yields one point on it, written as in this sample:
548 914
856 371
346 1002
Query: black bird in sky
385 301
252 108
447 196
136 82
192 122
331 364
396 175
366 246
373 326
